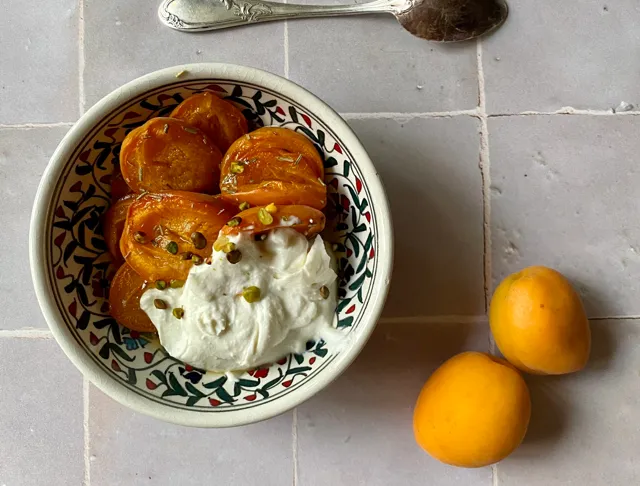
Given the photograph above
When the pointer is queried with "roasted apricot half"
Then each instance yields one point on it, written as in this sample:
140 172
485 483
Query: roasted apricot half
169 154
304 219
113 225
273 165
119 187
165 234
220 120
124 300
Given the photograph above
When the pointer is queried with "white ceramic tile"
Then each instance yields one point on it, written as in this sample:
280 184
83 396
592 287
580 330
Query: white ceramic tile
38 61
371 64
132 449
41 415
125 39
430 171
565 192
359 431
24 153
584 426
552 54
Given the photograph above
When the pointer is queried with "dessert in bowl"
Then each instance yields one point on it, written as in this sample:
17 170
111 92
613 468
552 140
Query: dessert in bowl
262 290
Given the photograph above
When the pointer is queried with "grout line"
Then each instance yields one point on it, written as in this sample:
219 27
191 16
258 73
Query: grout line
615 318
85 427
81 58
35 125
568 110
285 46
294 434
451 319
494 475
26 334
286 49
408 116
485 172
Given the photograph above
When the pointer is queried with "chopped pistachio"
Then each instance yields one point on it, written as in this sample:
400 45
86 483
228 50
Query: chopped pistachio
229 247
264 216
235 221
176 284
161 284
199 240
244 206
197 260
234 256
237 168
140 237
324 292
178 312
219 244
271 208
251 294
172 247
159 304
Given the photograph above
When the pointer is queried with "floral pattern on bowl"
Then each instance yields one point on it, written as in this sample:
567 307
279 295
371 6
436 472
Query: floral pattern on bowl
78 268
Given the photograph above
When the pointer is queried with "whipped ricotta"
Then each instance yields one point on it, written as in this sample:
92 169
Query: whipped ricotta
221 331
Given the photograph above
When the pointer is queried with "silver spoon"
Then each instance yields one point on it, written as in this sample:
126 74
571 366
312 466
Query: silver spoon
435 20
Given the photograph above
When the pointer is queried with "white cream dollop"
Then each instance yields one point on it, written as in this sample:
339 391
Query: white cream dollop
221 331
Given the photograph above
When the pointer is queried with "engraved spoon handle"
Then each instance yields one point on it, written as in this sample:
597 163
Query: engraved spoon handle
199 15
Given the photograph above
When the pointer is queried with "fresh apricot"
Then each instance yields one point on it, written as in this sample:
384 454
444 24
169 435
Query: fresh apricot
473 411
539 323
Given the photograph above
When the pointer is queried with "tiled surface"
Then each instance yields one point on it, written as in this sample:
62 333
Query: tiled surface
360 429
558 190
129 448
430 171
584 426
41 415
565 194
125 40
21 164
552 54
38 61
375 66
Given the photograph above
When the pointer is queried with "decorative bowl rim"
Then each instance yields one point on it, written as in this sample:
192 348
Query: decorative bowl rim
38 233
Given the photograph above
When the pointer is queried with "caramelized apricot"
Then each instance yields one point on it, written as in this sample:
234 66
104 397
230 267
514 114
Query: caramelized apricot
166 233
220 120
304 219
273 165
113 226
124 300
168 154
119 187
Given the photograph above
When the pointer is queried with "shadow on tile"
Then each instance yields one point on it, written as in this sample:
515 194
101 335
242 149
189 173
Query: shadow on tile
397 361
430 172
550 398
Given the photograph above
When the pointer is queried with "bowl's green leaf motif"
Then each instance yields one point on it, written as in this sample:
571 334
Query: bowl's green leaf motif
81 271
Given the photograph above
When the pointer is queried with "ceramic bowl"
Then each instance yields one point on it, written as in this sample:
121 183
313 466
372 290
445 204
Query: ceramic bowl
71 269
